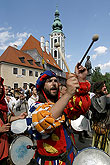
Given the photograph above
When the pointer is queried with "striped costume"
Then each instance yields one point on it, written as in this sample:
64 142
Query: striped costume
52 137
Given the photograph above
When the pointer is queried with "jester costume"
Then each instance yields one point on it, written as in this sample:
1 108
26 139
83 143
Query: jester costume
54 145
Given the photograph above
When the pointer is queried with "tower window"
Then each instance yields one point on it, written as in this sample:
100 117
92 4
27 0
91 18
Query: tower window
55 40
55 54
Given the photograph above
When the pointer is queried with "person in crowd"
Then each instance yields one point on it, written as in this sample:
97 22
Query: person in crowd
100 107
48 117
27 92
33 98
11 101
5 124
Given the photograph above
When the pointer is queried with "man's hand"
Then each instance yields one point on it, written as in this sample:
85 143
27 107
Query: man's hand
23 115
8 98
5 127
72 84
81 72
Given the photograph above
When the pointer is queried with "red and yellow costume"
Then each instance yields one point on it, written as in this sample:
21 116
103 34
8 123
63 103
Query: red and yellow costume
54 139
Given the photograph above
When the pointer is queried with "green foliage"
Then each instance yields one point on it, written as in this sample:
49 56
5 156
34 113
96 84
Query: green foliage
98 76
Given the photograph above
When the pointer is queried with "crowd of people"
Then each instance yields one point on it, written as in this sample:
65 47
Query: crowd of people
51 109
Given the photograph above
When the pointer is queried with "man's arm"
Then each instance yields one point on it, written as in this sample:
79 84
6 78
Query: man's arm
72 84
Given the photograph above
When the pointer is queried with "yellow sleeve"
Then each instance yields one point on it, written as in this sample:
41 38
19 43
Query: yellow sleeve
43 120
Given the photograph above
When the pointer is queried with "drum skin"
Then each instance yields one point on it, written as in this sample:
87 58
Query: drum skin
91 156
19 126
18 151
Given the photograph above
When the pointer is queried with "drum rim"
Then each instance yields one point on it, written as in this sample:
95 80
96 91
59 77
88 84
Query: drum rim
17 137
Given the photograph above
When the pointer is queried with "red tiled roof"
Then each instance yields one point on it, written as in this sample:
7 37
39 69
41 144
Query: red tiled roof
12 55
33 43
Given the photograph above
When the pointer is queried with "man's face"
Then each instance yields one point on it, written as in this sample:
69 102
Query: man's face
104 89
6 90
51 87
34 92
1 90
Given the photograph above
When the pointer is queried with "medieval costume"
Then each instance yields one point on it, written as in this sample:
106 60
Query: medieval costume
3 120
54 145
100 107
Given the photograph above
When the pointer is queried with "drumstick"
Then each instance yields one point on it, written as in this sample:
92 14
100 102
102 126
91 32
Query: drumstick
57 45
94 39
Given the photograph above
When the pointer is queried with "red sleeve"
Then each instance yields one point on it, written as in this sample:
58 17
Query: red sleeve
80 102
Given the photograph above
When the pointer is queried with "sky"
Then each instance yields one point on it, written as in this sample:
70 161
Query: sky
81 19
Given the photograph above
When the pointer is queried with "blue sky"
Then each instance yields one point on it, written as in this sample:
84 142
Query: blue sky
81 19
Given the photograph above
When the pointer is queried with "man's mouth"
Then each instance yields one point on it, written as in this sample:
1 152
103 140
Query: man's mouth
53 89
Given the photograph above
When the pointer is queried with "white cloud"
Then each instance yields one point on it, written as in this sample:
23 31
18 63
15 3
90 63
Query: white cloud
7 37
68 56
5 29
105 66
101 50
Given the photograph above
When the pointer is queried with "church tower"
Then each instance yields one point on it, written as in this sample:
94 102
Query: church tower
57 35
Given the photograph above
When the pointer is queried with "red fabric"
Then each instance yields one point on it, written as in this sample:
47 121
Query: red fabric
73 108
3 144
60 145
3 105
3 137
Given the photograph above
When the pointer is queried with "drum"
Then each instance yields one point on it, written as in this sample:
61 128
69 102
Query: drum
18 151
91 156
19 126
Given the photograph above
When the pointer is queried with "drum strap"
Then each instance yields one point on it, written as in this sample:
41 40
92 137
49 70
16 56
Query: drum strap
63 157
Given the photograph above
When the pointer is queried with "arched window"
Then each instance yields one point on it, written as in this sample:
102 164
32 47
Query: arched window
55 54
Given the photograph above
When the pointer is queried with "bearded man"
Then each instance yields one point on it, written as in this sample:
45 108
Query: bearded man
47 118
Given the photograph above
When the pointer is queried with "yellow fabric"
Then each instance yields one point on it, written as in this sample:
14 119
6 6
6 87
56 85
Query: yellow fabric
54 137
50 148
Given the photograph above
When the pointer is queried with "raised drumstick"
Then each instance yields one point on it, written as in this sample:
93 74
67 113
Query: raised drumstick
57 45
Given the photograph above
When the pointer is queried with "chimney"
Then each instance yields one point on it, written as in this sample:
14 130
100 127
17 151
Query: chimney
15 46
42 42
47 46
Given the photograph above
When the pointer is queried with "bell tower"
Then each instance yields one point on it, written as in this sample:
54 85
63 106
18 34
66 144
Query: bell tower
57 35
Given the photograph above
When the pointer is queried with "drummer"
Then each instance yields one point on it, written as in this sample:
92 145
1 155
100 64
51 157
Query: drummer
54 146
5 124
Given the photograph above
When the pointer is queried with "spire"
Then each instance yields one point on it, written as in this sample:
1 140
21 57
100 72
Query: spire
57 25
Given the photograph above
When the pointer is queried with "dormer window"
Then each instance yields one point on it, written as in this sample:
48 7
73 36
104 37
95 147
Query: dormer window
22 59
37 63
30 61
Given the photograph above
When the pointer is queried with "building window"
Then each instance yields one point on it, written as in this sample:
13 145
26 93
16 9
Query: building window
31 62
15 70
22 59
36 74
24 72
30 73
15 85
38 63
55 54
25 85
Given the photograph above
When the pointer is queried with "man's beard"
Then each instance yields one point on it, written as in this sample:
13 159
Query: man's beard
51 96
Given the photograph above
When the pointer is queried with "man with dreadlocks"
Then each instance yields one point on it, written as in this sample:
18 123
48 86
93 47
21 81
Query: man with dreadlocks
100 107
47 118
